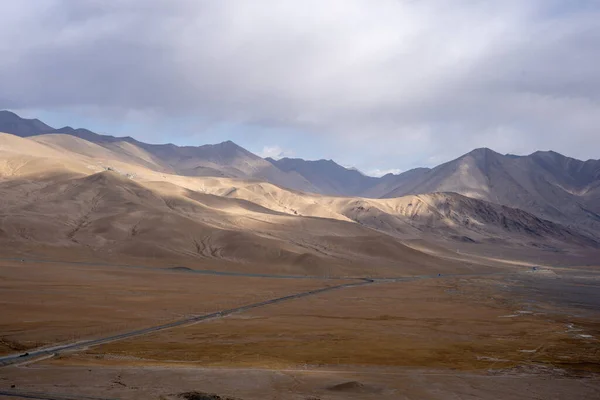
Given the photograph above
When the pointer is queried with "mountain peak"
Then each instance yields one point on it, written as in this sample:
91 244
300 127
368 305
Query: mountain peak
66 129
482 151
23 127
226 146
329 162
7 113
293 163
546 153
327 175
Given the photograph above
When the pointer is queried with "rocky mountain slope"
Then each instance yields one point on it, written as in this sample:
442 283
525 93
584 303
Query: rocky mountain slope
546 184
59 191
52 199
224 159
327 176
12 123
442 215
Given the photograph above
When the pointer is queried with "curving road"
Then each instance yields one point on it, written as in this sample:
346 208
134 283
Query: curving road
32 355
49 351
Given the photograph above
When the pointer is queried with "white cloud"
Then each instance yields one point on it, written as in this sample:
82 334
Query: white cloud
275 152
378 172
392 81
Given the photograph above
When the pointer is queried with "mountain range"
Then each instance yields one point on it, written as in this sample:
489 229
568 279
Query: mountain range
73 187
547 184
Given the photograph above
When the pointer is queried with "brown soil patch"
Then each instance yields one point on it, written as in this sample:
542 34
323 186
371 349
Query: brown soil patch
354 387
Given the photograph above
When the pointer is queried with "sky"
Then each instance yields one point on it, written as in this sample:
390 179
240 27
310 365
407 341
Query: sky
383 86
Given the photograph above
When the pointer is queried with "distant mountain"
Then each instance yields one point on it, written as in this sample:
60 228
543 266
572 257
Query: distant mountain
59 191
225 159
391 182
327 176
12 123
546 184
333 179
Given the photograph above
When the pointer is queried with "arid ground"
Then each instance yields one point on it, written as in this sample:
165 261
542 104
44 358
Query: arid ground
506 333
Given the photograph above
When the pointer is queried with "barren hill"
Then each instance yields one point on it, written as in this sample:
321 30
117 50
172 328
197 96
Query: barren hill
12 123
327 176
63 192
221 202
546 184
446 215
65 204
224 159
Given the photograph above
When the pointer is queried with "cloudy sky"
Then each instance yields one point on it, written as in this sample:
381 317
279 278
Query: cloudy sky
380 85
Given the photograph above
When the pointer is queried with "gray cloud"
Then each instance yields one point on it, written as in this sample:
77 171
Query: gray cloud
394 82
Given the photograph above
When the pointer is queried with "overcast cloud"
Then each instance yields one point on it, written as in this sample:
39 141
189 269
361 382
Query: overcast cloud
381 85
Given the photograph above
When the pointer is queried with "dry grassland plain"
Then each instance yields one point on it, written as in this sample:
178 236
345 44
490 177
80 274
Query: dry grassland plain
511 334
48 303
459 323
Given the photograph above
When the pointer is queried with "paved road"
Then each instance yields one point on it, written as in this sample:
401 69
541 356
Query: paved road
45 396
48 351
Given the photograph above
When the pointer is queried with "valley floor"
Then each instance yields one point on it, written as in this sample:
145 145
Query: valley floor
512 332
